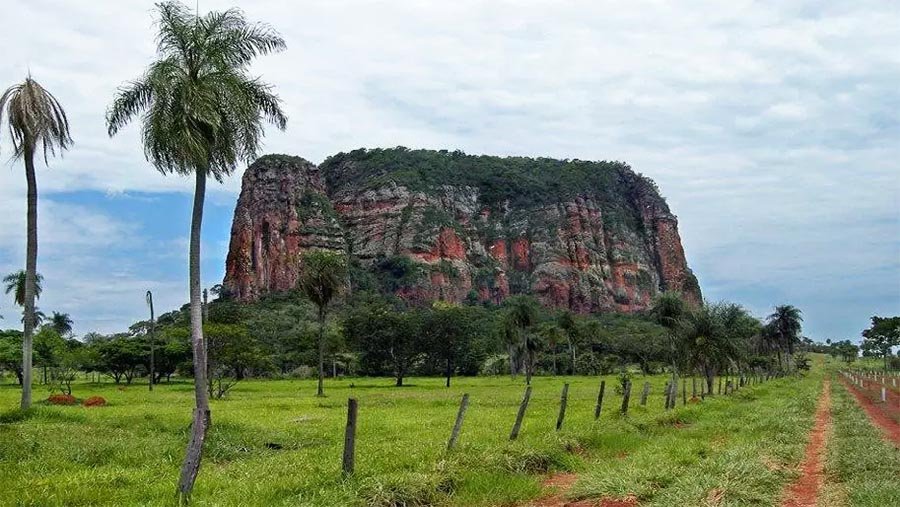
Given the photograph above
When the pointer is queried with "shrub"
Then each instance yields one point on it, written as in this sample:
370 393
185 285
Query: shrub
94 401
62 399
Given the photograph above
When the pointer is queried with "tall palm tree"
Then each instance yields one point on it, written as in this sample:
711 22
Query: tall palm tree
323 276
37 122
15 285
61 323
201 114
785 323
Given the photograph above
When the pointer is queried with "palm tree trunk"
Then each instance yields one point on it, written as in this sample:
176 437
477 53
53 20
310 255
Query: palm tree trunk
449 371
30 276
529 366
321 388
572 350
202 417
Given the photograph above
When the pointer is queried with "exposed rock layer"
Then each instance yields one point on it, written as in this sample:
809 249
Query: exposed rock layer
603 242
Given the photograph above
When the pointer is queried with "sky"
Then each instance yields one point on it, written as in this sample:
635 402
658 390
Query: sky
772 128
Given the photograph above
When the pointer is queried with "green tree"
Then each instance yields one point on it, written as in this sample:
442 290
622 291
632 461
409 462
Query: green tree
883 335
520 317
385 336
323 276
785 324
37 121
11 353
668 310
201 114
61 323
449 331
14 283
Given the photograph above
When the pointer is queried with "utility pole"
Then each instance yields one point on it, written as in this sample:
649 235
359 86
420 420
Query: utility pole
152 337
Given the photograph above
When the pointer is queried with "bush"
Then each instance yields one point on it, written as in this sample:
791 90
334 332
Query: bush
62 399
94 401
304 371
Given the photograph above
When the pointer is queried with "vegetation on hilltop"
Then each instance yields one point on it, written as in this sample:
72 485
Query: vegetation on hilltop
522 182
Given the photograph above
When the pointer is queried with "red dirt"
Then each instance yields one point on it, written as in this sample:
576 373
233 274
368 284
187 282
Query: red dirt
560 483
805 490
94 401
628 501
878 416
62 399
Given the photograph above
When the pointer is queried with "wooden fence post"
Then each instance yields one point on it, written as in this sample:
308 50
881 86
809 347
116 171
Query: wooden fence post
720 385
599 399
454 435
673 392
684 391
644 393
626 395
563 399
350 437
693 387
666 393
520 415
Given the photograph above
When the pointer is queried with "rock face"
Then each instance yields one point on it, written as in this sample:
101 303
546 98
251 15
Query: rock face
426 225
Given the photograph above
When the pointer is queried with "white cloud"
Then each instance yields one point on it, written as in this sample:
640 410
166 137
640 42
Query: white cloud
767 124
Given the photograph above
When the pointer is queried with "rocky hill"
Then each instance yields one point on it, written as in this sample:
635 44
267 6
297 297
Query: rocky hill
427 225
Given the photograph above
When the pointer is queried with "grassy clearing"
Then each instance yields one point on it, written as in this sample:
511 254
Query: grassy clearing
863 469
129 452
739 450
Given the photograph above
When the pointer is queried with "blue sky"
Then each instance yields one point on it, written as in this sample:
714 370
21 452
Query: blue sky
773 128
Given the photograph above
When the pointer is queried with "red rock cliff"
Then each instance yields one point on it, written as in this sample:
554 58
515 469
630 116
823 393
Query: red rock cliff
593 250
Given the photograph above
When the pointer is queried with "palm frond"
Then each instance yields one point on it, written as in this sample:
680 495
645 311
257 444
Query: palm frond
36 119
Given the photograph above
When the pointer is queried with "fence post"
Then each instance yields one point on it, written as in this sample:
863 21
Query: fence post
720 385
563 399
666 392
626 395
599 399
454 435
673 393
350 437
644 393
883 395
693 387
684 391
520 415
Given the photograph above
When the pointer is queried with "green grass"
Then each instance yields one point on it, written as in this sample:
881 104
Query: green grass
863 469
129 452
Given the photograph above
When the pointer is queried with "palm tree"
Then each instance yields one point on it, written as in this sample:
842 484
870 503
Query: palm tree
36 122
323 276
521 316
201 114
785 324
668 311
15 285
553 334
61 323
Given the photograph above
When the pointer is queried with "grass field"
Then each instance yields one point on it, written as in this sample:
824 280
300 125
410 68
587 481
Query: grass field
728 450
863 469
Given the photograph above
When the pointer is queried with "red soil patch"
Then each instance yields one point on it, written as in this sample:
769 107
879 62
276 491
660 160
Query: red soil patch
878 416
62 399
94 401
805 490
